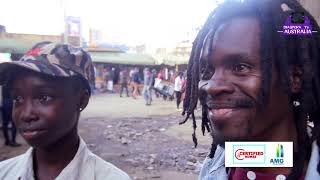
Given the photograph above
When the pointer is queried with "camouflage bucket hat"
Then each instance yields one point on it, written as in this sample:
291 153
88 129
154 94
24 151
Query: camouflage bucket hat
57 60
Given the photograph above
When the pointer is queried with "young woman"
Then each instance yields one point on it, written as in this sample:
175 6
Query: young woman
50 87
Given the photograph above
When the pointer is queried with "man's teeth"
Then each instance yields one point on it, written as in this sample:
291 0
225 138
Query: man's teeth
221 111
30 132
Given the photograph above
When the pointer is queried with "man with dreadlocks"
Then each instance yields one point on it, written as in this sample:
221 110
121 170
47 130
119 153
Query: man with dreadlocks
256 84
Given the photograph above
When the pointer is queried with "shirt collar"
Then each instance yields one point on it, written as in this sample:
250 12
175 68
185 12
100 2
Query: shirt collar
71 170
312 172
26 172
218 159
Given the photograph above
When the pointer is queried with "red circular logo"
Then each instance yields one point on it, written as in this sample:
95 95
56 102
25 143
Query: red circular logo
238 154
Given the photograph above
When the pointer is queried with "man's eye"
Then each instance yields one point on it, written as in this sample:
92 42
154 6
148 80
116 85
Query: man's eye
241 68
17 99
45 98
207 74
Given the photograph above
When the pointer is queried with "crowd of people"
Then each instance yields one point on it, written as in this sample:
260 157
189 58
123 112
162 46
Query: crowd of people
150 83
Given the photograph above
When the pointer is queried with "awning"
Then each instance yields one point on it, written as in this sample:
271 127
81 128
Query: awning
122 58
176 60
13 46
21 43
172 60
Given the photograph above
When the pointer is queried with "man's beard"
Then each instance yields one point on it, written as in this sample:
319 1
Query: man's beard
246 102
220 139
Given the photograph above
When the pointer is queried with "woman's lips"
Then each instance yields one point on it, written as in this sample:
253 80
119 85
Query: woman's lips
30 134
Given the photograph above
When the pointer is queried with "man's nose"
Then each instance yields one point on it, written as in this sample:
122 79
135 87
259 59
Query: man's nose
217 85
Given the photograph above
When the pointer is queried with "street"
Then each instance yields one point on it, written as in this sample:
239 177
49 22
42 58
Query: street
144 141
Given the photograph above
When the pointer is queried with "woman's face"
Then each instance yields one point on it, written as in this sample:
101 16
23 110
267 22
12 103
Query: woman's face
44 110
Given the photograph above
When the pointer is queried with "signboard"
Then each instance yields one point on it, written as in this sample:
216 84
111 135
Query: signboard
73 26
72 33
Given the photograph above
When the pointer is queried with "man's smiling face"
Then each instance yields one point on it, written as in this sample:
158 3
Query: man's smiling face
233 80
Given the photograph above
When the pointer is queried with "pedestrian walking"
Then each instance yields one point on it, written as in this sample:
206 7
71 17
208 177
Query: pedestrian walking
178 88
8 126
152 89
136 81
147 86
124 79
109 79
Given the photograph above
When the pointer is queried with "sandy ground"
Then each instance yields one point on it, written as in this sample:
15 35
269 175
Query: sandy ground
145 141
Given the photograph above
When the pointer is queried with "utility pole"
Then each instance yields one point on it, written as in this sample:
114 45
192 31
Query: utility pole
65 25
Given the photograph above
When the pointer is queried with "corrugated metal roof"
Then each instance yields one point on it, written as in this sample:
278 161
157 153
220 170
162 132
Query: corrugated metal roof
122 58
172 60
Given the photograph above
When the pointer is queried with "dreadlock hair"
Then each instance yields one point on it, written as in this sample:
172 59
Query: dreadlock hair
283 51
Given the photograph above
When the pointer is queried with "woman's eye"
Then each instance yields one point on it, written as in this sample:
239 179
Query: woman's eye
45 98
17 99
241 68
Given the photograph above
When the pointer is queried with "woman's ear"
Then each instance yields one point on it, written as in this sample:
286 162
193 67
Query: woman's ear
296 78
84 99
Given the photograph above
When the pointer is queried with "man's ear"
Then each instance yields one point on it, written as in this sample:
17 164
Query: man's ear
84 99
295 78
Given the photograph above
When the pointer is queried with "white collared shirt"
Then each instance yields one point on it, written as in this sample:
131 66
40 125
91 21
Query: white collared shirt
84 166
178 84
